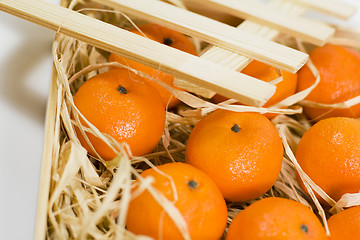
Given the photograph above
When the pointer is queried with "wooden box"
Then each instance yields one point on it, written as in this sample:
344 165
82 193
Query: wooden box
80 197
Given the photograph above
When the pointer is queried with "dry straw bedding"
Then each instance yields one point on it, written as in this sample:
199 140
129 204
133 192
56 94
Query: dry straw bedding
89 197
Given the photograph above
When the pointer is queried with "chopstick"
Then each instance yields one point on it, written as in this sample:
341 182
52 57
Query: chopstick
212 31
235 61
238 62
193 69
305 29
339 9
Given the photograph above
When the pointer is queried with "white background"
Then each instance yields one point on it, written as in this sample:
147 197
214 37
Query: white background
25 74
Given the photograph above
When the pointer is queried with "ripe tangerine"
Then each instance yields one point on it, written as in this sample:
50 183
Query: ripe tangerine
276 218
123 105
242 152
345 225
199 202
339 69
329 153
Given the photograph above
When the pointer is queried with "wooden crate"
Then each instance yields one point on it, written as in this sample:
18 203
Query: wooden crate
61 144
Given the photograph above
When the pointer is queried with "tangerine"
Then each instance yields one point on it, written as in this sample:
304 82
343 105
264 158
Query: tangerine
168 37
242 152
276 218
199 202
345 225
329 153
123 105
267 73
339 69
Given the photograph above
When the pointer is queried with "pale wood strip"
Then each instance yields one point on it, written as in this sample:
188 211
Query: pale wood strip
212 31
305 29
335 8
238 62
45 171
214 53
119 41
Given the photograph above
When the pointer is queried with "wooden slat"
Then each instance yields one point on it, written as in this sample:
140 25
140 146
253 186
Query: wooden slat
335 8
235 61
238 62
305 29
47 155
167 59
212 31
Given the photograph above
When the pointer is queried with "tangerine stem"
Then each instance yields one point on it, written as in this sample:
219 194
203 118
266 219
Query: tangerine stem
304 228
122 90
168 41
192 184
235 128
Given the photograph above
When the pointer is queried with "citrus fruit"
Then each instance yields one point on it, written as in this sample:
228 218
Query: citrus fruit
339 69
267 73
168 37
242 152
329 153
345 225
199 202
276 218
123 105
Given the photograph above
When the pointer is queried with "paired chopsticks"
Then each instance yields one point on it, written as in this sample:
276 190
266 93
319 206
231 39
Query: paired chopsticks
113 39
201 72
307 30
211 31
336 8
294 8
233 60
263 20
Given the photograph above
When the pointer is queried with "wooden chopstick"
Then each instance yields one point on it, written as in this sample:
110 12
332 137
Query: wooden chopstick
339 9
305 29
212 31
214 53
293 7
235 61
113 39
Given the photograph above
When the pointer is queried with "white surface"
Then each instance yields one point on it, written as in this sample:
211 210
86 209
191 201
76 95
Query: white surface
25 73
